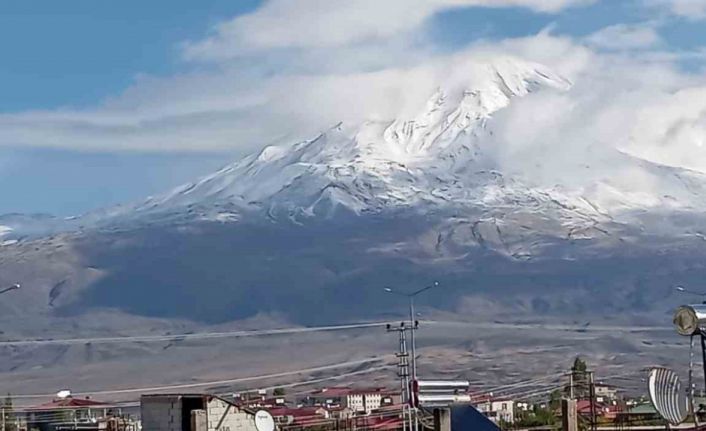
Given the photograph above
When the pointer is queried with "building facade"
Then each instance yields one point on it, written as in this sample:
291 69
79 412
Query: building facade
497 410
193 412
606 393
357 401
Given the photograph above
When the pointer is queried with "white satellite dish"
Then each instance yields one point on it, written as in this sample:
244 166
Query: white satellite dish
63 394
264 421
667 395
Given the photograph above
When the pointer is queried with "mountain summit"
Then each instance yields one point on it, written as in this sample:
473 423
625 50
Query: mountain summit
435 157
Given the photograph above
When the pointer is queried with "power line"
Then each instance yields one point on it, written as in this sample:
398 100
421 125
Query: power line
215 382
189 336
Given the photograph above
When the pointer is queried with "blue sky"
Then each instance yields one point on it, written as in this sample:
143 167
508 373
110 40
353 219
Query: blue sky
107 102
76 54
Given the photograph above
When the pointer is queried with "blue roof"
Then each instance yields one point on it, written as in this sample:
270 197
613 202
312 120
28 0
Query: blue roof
467 418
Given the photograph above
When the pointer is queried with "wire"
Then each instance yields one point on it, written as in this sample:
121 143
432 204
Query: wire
216 382
189 336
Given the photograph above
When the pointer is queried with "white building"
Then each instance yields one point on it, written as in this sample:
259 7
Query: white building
358 401
363 401
606 393
497 409
193 412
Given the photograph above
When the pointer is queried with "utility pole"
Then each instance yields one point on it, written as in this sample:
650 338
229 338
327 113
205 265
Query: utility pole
569 416
592 396
403 374
413 327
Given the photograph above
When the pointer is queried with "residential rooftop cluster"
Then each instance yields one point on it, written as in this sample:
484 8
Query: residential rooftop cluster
329 408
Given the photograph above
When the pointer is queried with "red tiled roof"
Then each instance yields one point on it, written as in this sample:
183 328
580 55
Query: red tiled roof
484 398
67 403
584 406
298 412
387 424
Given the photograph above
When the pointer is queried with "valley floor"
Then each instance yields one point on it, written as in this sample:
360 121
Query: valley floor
489 354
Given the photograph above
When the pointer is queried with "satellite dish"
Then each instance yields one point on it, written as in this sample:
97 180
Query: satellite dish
667 395
63 394
264 421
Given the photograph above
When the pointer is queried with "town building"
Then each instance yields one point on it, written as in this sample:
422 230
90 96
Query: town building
496 409
607 394
357 400
261 403
194 412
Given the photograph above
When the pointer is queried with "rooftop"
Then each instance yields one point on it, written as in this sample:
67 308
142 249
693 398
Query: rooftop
338 391
66 403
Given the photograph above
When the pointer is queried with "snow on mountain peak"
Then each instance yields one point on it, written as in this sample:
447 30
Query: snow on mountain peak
439 161
447 116
376 164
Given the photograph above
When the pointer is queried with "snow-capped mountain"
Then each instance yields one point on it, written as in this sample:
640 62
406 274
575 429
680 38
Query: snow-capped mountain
436 158
384 201
441 160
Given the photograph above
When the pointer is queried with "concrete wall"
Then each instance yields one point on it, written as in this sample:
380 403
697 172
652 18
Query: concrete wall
161 414
164 413
229 417
199 420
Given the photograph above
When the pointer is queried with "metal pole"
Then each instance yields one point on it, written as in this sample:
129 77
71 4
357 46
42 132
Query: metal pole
408 386
414 344
403 374
592 394
412 408
405 387
703 356
413 329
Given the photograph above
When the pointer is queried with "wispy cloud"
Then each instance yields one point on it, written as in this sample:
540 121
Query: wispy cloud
625 36
283 24
284 71
689 9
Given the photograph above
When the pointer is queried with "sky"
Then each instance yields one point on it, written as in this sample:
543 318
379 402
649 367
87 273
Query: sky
109 102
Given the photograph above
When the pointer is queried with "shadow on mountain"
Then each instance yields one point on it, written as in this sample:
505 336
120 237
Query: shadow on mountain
326 272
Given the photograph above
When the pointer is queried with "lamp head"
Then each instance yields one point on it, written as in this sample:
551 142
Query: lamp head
690 319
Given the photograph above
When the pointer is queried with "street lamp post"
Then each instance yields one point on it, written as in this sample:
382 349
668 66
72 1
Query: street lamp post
413 327
7 289
681 289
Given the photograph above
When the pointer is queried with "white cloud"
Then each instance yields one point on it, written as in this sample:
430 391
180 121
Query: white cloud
689 9
619 104
227 109
307 64
639 102
624 36
283 24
